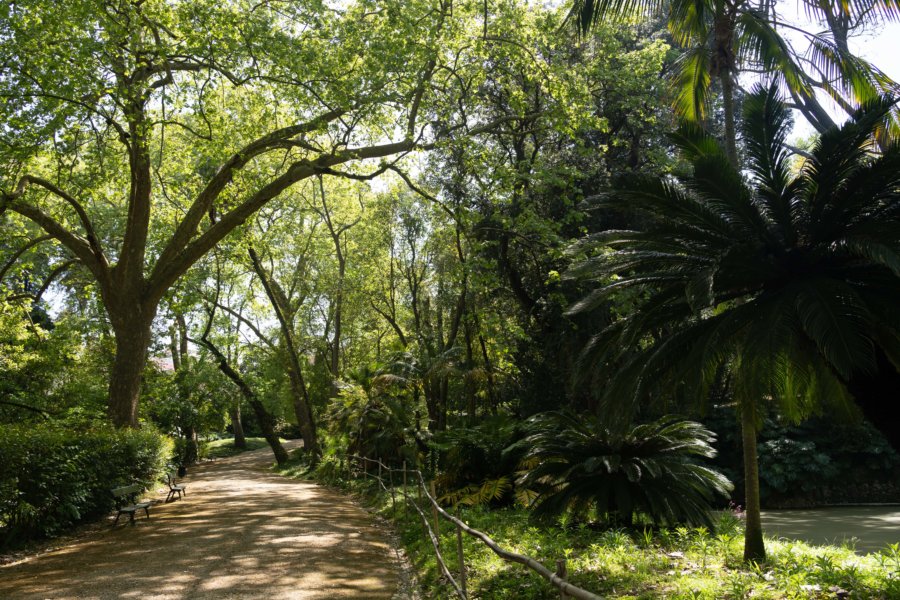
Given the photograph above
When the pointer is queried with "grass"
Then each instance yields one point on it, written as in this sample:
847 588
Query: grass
225 447
677 563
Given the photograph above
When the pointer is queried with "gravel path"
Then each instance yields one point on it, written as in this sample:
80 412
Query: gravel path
241 532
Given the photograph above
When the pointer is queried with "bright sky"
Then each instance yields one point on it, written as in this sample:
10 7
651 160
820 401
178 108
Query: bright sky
880 46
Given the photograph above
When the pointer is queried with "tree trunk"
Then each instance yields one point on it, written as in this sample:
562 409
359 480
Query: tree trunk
266 422
754 546
728 105
303 410
302 406
191 446
236 426
132 341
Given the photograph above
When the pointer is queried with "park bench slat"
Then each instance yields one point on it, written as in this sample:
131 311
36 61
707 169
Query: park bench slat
125 494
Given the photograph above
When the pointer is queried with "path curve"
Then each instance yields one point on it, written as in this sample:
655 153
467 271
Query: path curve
241 532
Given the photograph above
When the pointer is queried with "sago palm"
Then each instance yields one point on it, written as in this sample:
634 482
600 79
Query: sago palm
576 465
787 284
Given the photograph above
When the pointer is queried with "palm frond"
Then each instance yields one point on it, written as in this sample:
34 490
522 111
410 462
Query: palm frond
691 84
575 465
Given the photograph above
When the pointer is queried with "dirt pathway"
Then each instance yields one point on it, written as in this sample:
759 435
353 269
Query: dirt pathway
241 532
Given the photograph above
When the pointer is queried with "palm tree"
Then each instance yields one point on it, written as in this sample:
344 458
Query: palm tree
786 284
574 464
725 37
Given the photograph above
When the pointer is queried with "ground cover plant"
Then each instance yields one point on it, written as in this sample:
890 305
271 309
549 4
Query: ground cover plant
631 563
223 448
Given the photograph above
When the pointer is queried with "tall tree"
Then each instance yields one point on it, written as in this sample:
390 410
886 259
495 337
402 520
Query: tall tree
723 38
787 283
157 114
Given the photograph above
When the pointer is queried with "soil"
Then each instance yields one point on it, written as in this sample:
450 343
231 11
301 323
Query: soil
240 532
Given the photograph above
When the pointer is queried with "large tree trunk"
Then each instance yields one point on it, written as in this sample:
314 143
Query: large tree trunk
132 341
754 546
240 441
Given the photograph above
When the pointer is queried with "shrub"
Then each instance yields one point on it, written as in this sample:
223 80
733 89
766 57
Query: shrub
374 426
478 464
53 477
575 465
819 461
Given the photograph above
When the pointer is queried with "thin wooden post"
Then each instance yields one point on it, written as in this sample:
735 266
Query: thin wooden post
434 512
405 493
462 559
393 497
561 572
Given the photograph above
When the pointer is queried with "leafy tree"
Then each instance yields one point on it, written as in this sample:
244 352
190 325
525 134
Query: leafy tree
723 38
160 114
787 282
575 464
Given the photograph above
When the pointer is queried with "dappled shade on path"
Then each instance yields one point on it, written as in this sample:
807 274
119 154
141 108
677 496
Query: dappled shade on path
241 532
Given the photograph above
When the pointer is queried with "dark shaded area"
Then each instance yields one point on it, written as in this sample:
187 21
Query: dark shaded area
878 395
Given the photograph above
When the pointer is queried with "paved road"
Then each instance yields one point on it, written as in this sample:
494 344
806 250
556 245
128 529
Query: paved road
874 526
241 532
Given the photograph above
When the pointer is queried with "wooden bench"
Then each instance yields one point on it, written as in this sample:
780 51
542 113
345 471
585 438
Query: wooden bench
174 487
126 503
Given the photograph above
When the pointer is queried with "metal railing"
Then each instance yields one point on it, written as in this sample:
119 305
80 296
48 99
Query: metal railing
423 491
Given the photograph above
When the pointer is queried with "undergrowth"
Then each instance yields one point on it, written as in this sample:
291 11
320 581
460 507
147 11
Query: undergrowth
638 564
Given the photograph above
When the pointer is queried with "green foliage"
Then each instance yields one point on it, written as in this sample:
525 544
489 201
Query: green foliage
819 461
575 465
783 281
49 370
478 464
645 564
52 477
379 426
188 403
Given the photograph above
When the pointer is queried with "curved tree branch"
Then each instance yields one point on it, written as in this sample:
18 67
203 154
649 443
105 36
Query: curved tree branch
12 260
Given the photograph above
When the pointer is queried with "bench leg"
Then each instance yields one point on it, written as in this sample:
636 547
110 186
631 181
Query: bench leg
147 510
116 522
132 518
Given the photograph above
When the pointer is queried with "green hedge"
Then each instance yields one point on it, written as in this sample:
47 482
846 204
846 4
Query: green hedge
53 477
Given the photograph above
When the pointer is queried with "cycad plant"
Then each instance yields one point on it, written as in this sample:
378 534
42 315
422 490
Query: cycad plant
575 465
785 283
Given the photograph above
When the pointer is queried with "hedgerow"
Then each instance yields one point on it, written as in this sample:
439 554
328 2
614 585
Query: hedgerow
52 477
